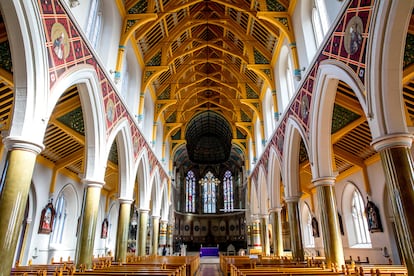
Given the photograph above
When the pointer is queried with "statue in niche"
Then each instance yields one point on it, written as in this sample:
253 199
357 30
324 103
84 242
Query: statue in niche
315 228
373 217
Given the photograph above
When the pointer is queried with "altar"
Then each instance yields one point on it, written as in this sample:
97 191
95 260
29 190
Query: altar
209 251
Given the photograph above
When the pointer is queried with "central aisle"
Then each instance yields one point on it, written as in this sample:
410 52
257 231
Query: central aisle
209 266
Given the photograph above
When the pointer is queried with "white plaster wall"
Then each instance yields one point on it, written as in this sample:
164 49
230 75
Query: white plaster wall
41 181
80 12
378 239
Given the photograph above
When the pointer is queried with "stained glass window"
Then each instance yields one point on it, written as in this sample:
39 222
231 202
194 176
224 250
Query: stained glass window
190 192
228 192
209 183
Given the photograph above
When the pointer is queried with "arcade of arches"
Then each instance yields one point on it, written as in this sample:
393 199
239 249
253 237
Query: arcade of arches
130 126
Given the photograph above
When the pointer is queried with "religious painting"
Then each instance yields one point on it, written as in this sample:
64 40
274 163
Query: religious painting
353 35
104 230
46 219
373 217
60 40
315 228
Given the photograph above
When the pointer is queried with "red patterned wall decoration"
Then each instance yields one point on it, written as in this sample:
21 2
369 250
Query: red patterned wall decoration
66 48
346 44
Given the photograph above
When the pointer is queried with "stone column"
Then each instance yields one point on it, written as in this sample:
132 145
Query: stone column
86 238
155 234
277 231
264 222
397 163
256 234
123 229
331 232
18 171
295 229
142 233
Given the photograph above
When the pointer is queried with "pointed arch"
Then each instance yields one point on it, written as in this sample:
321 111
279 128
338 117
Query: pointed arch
30 69
254 200
122 134
274 178
87 81
293 135
328 77
155 186
142 172
263 195
386 67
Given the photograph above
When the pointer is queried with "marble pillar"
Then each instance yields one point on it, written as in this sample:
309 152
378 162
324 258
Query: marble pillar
397 162
277 231
264 222
331 231
86 237
155 234
295 228
18 171
123 229
142 232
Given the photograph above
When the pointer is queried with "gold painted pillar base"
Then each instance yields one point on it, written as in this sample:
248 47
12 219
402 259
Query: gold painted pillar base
295 229
277 231
86 239
18 172
155 234
122 230
142 234
398 167
331 232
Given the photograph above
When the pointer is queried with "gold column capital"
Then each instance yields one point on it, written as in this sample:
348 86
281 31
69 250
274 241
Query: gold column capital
392 141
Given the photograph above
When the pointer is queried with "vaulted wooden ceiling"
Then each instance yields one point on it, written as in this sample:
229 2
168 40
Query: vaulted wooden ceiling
207 56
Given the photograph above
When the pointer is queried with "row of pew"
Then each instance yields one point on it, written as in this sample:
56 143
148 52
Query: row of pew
267 265
147 265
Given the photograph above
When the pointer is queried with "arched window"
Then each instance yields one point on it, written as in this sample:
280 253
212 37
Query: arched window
287 84
60 220
190 192
228 192
319 21
317 26
209 183
355 222
308 239
94 26
359 220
